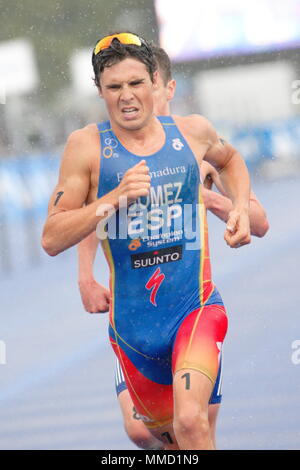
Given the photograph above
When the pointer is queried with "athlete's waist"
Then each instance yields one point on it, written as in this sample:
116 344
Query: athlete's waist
139 323
160 298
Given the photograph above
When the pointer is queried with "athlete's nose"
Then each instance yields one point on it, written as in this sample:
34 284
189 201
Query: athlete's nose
126 95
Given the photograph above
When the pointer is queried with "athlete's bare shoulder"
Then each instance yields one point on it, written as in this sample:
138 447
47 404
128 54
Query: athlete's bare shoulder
86 136
82 146
198 132
195 126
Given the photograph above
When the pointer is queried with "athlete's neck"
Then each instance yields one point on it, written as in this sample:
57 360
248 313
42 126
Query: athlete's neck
141 141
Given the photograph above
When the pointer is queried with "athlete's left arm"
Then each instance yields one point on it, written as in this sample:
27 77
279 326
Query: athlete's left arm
235 180
95 297
220 205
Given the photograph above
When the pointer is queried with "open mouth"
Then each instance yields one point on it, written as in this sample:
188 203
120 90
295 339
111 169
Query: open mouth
129 111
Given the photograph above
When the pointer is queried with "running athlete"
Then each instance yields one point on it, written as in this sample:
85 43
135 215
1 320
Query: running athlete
95 297
167 321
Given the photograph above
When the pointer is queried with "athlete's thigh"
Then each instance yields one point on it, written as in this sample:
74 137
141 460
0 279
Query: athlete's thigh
153 401
199 342
192 390
141 424
131 418
195 360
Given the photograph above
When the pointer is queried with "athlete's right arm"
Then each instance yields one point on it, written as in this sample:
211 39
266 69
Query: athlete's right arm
68 221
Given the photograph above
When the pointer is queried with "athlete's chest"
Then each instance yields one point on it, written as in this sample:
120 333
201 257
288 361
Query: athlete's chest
170 169
173 168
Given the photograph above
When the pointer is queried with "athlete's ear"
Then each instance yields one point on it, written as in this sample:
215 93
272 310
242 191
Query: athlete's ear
98 85
155 80
99 91
171 86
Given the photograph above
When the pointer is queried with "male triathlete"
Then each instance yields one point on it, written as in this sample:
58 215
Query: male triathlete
95 297
167 321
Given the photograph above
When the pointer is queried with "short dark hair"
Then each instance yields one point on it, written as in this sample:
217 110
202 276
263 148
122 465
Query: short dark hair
163 63
117 52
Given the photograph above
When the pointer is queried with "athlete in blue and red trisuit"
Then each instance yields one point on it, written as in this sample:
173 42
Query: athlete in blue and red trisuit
167 321
163 317
95 297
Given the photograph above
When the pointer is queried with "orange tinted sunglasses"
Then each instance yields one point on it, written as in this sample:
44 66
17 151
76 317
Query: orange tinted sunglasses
124 38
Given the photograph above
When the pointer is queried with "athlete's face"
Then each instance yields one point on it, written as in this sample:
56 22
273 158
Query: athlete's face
162 95
128 90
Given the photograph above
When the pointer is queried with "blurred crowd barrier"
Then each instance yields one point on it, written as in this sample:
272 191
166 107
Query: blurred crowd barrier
277 140
26 183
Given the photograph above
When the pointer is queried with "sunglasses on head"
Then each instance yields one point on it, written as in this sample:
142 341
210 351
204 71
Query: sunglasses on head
123 38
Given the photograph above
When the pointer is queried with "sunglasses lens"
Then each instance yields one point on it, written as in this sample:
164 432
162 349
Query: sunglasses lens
127 38
103 44
124 38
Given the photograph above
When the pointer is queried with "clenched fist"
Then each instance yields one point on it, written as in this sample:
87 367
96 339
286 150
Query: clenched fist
237 229
94 296
135 183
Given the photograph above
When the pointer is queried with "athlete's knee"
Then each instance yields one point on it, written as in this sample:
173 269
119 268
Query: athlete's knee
191 422
213 411
138 433
141 437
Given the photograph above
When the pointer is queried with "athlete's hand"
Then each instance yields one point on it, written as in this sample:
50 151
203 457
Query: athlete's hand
94 296
237 229
135 182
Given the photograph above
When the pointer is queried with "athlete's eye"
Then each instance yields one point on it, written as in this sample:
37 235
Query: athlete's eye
136 82
113 87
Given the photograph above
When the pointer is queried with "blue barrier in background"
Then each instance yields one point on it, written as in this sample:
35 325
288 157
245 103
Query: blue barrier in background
276 140
26 183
